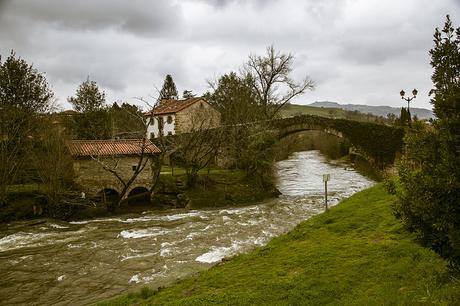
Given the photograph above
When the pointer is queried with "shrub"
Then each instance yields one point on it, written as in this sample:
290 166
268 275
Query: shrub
430 168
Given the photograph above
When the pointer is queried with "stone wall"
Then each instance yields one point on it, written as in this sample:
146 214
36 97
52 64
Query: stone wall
191 118
91 176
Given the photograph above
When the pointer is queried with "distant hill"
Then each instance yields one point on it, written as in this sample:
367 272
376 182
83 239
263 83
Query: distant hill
383 111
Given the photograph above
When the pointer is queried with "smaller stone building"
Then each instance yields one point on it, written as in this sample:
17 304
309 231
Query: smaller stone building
98 162
172 117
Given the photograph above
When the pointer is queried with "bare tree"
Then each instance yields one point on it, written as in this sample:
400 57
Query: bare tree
272 82
163 143
53 164
145 155
14 128
200 147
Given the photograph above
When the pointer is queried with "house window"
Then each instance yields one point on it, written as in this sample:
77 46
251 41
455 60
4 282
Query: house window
152 135
169 119
134 167
201 105
169 133
152 121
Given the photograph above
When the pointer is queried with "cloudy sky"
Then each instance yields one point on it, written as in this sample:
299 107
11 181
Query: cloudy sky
356 51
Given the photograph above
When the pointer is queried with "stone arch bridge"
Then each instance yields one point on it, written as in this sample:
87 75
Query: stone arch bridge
378 143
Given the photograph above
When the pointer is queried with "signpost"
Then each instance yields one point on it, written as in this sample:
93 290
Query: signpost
326 178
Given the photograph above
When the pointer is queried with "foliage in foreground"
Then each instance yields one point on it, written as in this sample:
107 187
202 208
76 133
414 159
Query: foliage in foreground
355 254
429 189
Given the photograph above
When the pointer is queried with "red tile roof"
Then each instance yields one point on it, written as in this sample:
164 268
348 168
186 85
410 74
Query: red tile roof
173 106
111 147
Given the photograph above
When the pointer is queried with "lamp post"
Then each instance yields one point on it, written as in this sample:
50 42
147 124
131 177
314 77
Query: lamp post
408 99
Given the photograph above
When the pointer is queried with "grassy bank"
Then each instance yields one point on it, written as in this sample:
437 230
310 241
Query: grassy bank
355 254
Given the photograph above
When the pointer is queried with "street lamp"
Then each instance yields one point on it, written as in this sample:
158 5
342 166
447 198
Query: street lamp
408 99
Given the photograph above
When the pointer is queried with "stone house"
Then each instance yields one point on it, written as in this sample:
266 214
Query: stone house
120 155
172 117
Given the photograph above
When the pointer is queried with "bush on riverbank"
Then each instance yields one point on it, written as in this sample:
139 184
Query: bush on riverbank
20 206
231 189
356 253
429 172
218 188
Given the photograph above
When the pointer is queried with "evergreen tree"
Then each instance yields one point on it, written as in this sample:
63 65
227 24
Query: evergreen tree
126 121
429 172
236 99
403 117
445 59
187 94
24 92
88 97
169 90
22 86
94 120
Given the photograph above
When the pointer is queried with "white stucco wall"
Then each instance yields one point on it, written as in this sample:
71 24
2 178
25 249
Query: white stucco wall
151 128
168 128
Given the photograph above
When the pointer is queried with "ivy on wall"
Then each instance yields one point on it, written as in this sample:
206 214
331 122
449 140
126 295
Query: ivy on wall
379 142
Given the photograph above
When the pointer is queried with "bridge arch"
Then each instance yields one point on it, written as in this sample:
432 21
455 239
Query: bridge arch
376 142
299 129
108 194
138 190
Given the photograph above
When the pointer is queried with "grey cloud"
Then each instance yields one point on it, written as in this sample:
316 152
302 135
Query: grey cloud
371 52
354 52
224 3
218 3
392 33
139 17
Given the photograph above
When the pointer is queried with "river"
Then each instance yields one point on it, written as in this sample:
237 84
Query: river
62 263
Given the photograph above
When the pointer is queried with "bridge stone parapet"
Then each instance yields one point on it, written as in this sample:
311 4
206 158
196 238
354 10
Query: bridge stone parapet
379 143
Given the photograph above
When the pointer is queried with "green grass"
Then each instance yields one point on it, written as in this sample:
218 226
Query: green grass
294 109
167 170
355 254
25 188
291 110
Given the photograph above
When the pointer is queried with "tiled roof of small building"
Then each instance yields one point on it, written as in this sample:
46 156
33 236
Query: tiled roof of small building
173 106
109 147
